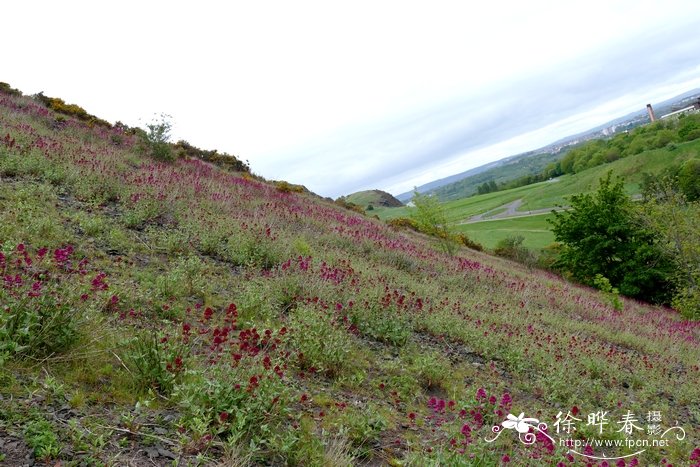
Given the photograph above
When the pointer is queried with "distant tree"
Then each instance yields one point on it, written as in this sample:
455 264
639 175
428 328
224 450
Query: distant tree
603 234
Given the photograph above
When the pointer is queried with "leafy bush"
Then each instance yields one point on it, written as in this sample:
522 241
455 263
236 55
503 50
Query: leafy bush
462 239
611 294
512 247
227 161
603 234
286 187
253 250
350 206
158 137
677 221
430 218
362 428
235 403
60 106
143 212
399 223
154 361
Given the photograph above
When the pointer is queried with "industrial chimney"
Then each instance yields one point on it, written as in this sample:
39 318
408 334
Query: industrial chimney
652 117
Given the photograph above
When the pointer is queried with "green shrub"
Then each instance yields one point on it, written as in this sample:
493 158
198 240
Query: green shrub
174 241
399 223
603 233
349 206
154 361
611 294
234 403
58 105
687 302
512 247
462 239
143 212
298 446
157 139
226 161
91 225
286 187
256 304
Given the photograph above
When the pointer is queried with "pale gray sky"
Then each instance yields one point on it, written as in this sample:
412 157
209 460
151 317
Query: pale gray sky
343 96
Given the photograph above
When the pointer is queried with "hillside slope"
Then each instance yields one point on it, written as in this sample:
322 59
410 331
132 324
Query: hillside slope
160 313
374 198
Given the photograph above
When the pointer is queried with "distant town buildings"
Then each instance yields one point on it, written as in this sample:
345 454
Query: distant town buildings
695 107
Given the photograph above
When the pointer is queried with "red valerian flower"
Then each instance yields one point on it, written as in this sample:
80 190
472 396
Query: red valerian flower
98 283
695 454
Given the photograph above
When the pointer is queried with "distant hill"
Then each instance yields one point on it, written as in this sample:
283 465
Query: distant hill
404 197
509 169
375 198
512 167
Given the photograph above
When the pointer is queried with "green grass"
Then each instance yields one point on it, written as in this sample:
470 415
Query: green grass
535 230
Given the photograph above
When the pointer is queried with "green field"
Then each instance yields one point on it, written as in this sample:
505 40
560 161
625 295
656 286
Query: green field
535 230
547 195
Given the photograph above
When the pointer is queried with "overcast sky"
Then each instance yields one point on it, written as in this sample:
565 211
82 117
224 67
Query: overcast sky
343 96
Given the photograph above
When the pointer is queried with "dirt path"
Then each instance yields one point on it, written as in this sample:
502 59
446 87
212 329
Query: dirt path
509 210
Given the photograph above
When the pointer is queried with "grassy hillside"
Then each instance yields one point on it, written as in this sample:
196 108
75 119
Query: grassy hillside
177 314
